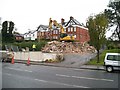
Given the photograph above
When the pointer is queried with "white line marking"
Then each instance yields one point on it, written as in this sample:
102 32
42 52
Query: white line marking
41 80
62 75
18 69
84 77
51 82
92 78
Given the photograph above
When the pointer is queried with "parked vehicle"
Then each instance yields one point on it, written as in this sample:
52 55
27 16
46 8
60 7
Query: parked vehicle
112 62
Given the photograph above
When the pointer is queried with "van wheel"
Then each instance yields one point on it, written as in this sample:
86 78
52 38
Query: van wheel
109 68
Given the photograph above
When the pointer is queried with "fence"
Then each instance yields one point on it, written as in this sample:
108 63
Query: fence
12 48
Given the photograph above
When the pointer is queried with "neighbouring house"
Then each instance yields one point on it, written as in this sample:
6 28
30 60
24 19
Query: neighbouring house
19 37
72 28
31 35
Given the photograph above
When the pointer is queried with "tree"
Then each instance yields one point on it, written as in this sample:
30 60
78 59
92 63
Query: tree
97 26
7 29
113 14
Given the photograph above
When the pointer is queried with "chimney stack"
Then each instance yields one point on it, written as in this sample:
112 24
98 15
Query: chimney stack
71 18
62 21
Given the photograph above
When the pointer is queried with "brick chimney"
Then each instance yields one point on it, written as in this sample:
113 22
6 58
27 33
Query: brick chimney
71 18
62 21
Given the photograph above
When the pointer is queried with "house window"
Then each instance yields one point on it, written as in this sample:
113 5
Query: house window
56 37
42 34
65 29
56 31
68 29
74 29
71 29
53 37
75 36
53 31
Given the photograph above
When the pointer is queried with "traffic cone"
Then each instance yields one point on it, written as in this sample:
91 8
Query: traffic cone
12 60
28 62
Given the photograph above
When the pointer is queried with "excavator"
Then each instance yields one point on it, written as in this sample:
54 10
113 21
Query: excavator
63 35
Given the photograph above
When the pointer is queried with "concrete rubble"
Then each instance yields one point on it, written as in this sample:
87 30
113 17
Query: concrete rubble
68 47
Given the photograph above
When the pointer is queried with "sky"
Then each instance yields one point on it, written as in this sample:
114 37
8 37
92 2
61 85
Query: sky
29 14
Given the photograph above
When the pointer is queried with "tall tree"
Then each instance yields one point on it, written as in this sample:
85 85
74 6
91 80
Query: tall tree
97 26
113 14
7 29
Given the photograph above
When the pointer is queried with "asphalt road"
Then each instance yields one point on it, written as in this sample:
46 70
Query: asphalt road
37 76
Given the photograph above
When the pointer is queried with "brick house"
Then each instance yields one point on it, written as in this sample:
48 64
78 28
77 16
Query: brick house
19 37
72 27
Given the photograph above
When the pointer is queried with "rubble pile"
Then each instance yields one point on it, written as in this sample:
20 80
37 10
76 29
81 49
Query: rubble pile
67 47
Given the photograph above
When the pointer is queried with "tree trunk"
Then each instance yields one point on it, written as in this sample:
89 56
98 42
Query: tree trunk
98 56
118 32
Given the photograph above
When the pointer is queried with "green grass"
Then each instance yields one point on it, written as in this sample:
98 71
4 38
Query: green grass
102 56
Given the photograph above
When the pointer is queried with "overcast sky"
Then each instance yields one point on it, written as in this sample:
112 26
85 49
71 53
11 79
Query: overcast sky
29 14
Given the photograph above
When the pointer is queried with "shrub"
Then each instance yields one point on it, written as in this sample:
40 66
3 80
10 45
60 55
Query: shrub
28 44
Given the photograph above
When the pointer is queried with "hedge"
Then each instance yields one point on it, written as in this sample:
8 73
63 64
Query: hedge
25 44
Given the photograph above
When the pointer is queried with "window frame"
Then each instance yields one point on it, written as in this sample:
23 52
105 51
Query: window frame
115 57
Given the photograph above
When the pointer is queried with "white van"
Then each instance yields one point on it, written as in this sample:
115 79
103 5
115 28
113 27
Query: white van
112 62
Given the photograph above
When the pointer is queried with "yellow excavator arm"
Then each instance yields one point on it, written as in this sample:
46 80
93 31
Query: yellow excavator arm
63 35
50 23
54 22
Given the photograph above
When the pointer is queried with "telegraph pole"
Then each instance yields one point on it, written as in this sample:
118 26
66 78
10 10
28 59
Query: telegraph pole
0 24
0 33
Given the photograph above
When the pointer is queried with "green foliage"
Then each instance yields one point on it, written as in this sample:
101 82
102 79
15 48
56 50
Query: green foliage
29 44
102 56
113 14
97 26
7 29
113 45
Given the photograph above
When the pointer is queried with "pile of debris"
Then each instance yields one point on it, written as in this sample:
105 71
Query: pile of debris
67 47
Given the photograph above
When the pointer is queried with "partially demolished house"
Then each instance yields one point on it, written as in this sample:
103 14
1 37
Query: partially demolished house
72 28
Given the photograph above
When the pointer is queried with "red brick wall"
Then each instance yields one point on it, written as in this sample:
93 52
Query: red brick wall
82 34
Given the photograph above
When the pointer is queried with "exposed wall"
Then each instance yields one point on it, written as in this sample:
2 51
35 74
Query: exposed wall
34 56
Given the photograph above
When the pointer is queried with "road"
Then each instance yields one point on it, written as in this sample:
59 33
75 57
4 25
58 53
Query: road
38 76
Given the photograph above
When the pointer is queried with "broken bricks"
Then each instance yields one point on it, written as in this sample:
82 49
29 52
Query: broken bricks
67 47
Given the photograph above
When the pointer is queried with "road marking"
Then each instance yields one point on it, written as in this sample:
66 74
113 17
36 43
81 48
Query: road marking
41 80
51 82
84 77
18 69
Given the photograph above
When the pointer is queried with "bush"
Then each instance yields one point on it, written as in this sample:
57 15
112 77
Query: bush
25 44
113 45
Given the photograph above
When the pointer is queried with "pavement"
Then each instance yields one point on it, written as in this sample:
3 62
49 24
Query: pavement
71 61
92 67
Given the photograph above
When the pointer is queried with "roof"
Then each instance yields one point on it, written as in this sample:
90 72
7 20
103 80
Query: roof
73 23
112 53
18 35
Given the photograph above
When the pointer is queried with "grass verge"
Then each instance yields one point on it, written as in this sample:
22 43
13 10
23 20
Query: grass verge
102 56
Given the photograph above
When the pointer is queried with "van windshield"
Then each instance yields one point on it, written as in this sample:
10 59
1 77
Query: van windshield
113 57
